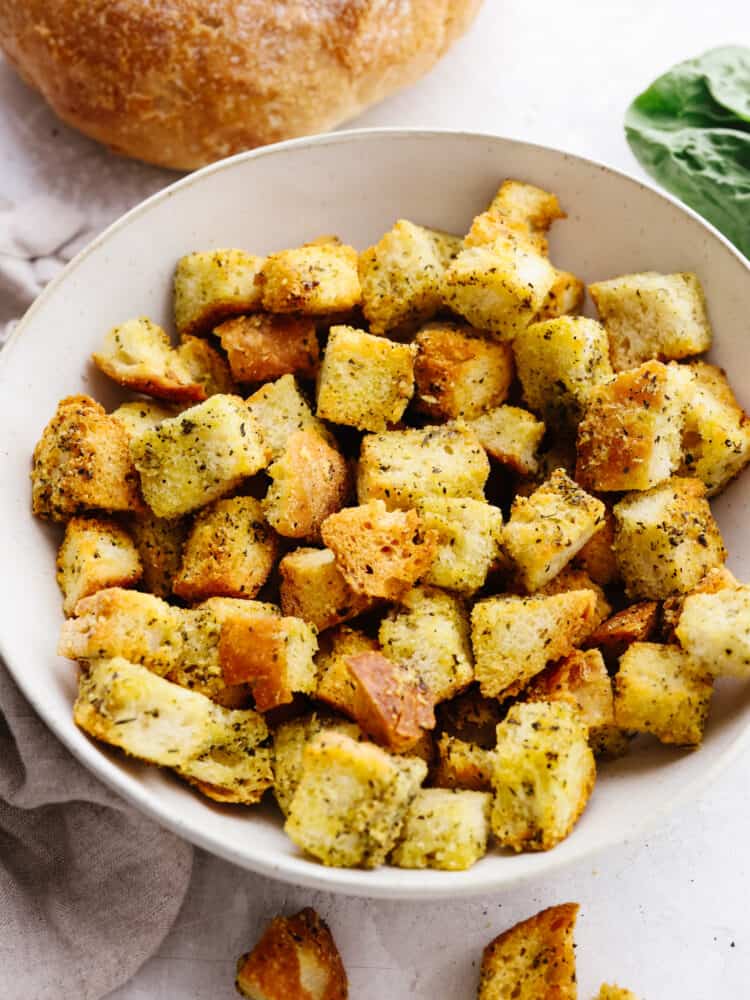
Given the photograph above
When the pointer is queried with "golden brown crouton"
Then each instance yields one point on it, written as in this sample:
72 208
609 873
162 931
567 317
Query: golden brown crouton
445 829
206 366
535 960
543 776
469 534
381 553
95 553
565 296
597 557
471 717
295 959
510 435
314 588
142 414
607 992
581 681
335 682
229 551
159 541
82 462
281 409
630 437
714 628
264 347
212 286
634 624
519 210
460 373
666 539
463 765
718 578
365 381
316 279
572 578
391 703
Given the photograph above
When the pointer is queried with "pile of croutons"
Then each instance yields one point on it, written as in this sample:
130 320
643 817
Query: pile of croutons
402 536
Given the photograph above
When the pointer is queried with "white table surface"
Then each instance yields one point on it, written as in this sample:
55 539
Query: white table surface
666 916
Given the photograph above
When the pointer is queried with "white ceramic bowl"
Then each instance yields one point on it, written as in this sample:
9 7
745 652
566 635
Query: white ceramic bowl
354 184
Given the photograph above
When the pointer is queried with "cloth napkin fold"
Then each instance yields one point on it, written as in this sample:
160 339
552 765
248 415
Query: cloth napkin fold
88 886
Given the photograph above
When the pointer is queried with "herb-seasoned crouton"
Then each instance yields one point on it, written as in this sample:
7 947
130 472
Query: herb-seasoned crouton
82 462
263 347
571 578
607 992
652 315
444 829
229 552
580 680
468 541
335 682
308 483
519 210
543 776
471 717
718 578
597 557
402 276
664 691
630 437
535 960
95 554
514 638
714 628
316 279
510 435
215 748
403 467
565 296
159 541
212 286
429 632
280 409
196 457
549 527
380 552
295 958
142 414
351 801
666 539
365 381
314 588
460 373
634 624
463 765
206 366
559 361
391 703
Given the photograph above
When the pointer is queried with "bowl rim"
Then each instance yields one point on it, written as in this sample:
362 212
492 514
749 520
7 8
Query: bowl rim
298 870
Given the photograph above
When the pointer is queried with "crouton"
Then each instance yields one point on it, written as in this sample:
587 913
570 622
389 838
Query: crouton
514 638
314 588
315 280
212 286
630 437
159 542
229 551
365 381
571 578
597 557
402 274
380 552
308 483
664 691
607 992
460 373
351 801
666 539
206 366
214 748
82 462
559 361
468 541
429 632
295 957
198 456
714 629
95 553
636 623
518 210
403 467
264 347
510 435
444 829
652 315
141 414
535 960
580 680
471 717
565 296
543 776
391 703
280 409
549 527
463 765
335 682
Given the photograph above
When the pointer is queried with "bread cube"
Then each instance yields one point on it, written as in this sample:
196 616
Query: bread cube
401 276
82 462
511 436
460 373
229 552
403 467
666 539
514 638
581 681
351 801
463 765
607 992
637 623
444 829
565 296
381 553
365 381
572 578
391 703
314 588
264 347
316 279
535 960
471 717
662 690
518 210
212 286
335 683
429 632
159 542
549 527
95 553
652 315
468 541
543 776
630 437
718 578
714 629
597 557
141 415
198 456
206 366
559 361
280 409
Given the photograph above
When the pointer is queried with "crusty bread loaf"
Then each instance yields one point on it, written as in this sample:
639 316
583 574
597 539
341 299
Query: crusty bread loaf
183 82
